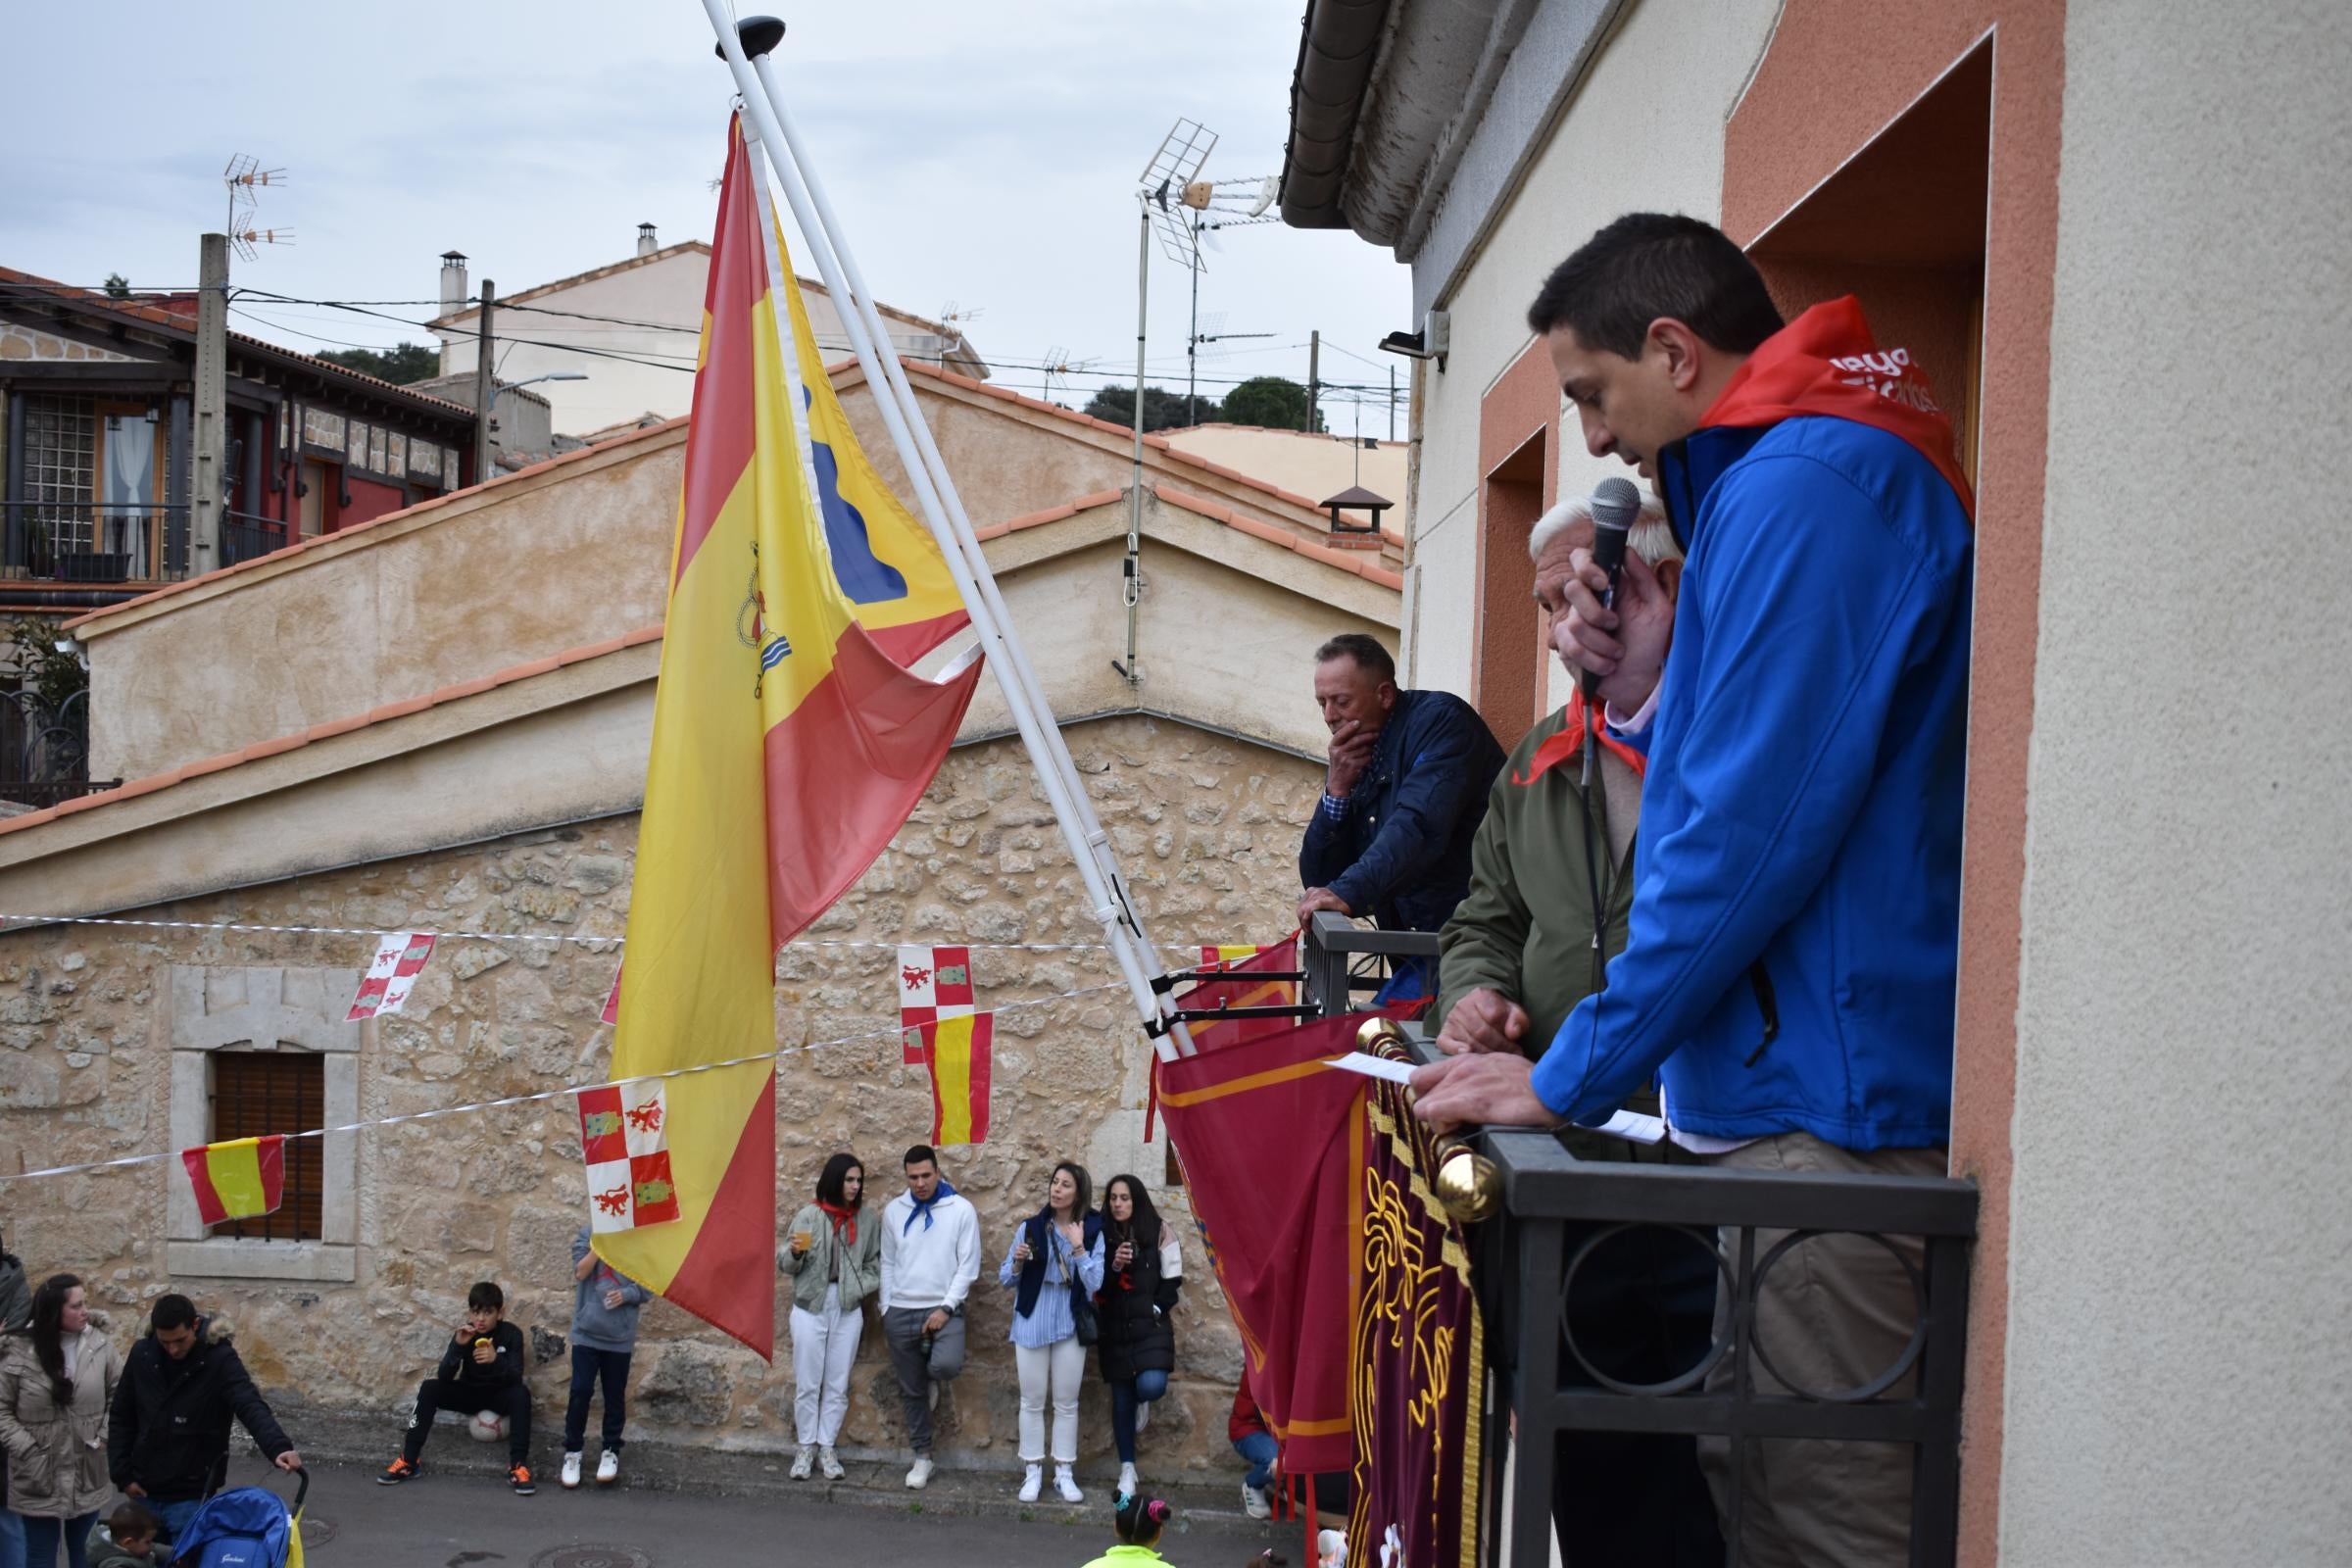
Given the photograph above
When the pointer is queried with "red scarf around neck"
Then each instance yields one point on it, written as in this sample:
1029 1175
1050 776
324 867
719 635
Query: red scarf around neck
1570 739
845 1221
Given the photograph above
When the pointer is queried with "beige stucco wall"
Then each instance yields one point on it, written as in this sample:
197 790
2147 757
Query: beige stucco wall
1207 827
579 551
1644 133
2178 1387
1307 465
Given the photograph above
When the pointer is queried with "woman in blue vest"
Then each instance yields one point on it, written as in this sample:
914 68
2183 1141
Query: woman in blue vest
1054 1268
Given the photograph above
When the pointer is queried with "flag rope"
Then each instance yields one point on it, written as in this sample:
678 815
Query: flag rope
893 1032
29 922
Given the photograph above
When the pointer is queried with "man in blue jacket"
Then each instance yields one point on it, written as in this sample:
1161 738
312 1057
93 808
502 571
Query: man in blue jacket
1402 796
1790 965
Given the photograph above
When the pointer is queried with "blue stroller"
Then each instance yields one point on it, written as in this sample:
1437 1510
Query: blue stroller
248 1526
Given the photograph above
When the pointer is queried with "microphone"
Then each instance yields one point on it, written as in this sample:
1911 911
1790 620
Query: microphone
1615 504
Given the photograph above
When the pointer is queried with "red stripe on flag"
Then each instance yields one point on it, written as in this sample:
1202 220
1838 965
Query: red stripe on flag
871 723
910 642
729 1276
209 1207
270 1158
724 425
984 1030
939 1106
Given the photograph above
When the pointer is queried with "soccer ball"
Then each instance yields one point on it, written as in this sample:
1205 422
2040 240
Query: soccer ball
486 1426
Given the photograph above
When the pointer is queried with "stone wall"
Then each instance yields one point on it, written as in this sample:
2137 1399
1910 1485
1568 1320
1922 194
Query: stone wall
89 1022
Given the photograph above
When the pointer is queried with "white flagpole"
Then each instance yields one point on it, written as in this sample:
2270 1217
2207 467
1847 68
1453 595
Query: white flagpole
1089 845
956 525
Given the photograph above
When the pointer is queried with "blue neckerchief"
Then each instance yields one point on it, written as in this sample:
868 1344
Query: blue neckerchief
918 1206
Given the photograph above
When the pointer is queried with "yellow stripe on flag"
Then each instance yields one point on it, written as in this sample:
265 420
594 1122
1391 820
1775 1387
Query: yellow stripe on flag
960 1078
235 1168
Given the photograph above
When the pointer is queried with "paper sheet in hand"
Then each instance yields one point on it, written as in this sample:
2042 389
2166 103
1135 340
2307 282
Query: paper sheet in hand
1630 1125
1371 1066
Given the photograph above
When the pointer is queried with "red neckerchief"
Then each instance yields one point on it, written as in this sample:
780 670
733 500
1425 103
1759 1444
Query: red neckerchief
1827 362
845 1221
1570 739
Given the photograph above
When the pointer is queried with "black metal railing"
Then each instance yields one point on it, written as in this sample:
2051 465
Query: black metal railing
244 537
44 749
89 542
1558 1211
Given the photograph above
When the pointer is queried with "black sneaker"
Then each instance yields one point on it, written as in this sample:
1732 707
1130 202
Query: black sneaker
523 1485
398 1471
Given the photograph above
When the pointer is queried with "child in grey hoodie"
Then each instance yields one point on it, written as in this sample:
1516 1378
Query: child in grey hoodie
604 1335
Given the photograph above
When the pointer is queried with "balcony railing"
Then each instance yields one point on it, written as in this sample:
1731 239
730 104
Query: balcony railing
95 544
1556 1211
44 749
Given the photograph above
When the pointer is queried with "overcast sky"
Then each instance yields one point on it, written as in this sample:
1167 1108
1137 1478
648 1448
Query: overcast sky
983 154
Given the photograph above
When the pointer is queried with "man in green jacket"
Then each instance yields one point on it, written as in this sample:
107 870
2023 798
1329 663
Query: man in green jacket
1515 959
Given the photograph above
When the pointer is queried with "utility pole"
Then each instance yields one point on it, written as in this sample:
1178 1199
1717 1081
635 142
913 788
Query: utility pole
1315 376
485 387
209 486
1391 403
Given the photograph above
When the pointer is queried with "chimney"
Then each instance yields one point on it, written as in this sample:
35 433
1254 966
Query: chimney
453 283
646 243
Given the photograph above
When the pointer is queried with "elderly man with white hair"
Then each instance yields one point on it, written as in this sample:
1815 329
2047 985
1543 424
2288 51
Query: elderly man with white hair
1517 956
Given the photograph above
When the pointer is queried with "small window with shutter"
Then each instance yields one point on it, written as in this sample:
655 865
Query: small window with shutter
257 1092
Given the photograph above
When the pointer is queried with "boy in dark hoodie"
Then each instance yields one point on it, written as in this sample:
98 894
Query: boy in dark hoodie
482 1370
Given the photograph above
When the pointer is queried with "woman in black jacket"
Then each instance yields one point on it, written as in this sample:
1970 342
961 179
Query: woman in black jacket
1142 1273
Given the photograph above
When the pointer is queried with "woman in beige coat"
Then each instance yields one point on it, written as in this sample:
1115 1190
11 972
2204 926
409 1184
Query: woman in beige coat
56 1378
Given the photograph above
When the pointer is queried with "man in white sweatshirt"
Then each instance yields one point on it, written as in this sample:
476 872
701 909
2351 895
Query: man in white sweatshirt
930 1256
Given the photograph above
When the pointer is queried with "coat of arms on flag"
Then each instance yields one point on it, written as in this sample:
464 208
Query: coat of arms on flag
934 983
624 1138
398 959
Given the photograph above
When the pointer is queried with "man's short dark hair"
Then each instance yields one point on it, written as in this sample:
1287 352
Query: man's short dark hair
1365 650
486 1297
173 1312
1649 264
921 1155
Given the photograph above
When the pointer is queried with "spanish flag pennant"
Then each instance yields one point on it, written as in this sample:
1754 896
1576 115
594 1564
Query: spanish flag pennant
787 748
237 1180
956 1050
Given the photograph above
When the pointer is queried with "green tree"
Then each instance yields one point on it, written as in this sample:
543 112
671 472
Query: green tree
410 361
117 287
1272 400
32 646
1162 409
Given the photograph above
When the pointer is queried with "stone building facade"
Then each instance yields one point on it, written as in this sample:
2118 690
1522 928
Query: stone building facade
104 1032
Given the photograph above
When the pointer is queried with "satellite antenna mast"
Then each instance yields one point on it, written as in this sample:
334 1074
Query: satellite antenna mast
246 178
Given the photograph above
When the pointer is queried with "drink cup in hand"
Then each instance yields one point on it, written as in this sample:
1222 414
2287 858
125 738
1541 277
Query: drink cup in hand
1021 1253
801 1241
1126 1255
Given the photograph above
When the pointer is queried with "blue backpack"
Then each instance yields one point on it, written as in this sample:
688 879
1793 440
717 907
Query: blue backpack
248 1526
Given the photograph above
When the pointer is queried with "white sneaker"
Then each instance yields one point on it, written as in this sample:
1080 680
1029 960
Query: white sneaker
803 1461
1127 1481
1253 1502
1067 1485
571 1471
828 1464
1143 1414
1032 1483
607 1467
920 1476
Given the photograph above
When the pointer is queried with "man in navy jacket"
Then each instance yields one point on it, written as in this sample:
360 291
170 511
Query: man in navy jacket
1405 788
1790 967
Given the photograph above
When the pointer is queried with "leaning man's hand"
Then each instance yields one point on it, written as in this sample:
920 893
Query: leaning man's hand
1485 1019
1491 1090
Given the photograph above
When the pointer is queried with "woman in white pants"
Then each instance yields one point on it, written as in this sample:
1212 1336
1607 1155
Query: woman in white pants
835 1264
1054 1268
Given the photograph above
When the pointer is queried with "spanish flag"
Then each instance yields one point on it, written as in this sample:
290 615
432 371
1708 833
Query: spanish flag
956 1050
787 748
238 1179
886 562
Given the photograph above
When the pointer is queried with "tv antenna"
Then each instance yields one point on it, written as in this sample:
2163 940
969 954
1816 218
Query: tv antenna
1059 366
246 178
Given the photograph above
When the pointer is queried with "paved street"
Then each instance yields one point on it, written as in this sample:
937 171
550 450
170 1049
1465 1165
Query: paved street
446 1520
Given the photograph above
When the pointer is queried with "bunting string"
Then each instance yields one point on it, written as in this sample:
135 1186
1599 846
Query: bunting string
12 921
891 1032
